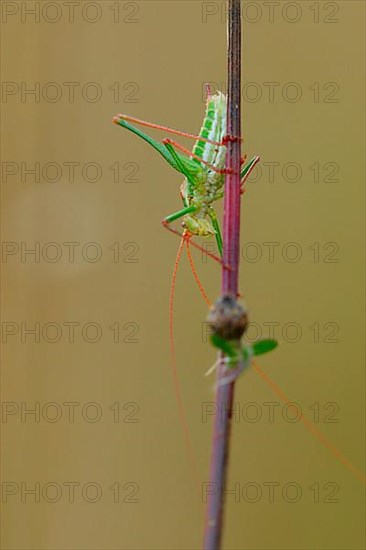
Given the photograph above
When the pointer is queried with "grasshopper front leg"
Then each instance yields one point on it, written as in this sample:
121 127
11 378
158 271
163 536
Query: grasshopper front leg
245 173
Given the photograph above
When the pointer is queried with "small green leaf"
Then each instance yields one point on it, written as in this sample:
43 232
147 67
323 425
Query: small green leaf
264 346
223 345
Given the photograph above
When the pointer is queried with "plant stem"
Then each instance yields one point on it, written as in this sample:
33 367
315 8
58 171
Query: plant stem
231 240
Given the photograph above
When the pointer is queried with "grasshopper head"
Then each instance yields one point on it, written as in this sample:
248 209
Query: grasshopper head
198 226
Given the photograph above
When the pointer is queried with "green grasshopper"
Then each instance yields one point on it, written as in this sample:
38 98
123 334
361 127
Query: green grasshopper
203 169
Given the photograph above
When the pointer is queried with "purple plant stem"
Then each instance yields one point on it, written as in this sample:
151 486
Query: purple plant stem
231 240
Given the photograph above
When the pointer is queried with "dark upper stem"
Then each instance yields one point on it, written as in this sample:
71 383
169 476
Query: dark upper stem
231 240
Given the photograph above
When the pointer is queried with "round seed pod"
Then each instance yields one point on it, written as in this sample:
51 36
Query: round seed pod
228 318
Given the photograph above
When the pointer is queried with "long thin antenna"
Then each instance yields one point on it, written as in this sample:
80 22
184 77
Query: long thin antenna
195 275
177 388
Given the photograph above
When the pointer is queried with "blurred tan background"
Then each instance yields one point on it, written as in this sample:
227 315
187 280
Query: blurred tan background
104 451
